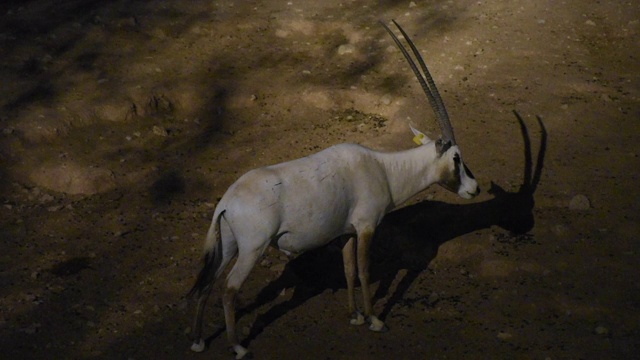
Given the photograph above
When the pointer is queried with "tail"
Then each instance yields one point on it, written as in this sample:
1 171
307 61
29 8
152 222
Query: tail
212 260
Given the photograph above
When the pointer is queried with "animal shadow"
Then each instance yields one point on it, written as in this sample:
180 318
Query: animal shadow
407 239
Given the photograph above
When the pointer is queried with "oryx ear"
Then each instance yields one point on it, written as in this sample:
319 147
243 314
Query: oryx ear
419 138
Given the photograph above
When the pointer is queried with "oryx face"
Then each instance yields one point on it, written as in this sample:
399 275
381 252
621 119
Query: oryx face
456 176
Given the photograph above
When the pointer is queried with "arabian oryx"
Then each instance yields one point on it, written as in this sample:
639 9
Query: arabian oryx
306 203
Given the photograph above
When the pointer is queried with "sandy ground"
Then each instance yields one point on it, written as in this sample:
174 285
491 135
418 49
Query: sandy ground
124 122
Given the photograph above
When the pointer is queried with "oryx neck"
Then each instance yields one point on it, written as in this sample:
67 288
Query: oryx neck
409 171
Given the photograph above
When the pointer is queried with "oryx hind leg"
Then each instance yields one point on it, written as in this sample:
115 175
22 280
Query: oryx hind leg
237 276
226 248
198 343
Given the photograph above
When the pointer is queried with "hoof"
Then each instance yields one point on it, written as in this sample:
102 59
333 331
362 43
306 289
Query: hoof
376 325
198 345
241 352
356 319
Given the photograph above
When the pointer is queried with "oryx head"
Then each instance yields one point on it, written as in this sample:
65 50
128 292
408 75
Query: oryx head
455 175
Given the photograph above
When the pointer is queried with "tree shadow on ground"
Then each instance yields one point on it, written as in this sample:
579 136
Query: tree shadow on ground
408 239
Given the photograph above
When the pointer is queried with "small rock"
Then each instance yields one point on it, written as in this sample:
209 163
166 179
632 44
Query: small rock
601 330
265 263
433 298
7 131
56 289
590 23
183 305
130 21
580 202
385 99
46 198
346 49
504 335
30 298
54 208
278 268
560 229
564 106
160 131
32 329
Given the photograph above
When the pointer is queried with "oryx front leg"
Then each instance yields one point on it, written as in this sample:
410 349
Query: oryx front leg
349 259
364 243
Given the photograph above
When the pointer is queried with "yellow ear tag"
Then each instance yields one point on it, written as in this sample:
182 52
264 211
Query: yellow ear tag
418 139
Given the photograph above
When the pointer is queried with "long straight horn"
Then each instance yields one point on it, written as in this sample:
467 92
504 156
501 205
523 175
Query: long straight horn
428 86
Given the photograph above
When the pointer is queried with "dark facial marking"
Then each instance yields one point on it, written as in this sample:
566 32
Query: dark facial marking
469 173
452 181
456 164
442 147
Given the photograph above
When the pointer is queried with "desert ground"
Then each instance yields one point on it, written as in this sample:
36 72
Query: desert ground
124 122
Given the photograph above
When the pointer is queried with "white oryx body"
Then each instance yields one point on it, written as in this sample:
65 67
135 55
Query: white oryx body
306 203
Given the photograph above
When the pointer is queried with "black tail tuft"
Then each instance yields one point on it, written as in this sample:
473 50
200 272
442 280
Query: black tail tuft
212 260
205 277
